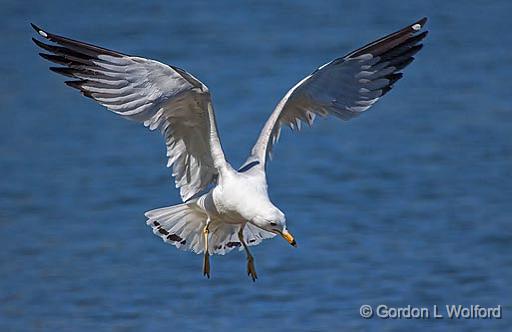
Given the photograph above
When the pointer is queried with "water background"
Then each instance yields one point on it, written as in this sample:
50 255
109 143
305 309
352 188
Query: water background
408 204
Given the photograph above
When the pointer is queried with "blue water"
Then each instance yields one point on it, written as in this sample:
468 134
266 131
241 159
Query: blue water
408 204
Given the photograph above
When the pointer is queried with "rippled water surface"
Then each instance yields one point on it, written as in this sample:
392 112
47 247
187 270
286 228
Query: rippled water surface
408 204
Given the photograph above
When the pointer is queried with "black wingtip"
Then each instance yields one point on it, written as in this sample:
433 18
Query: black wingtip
74 84
40 44
43 45
394 77
35 27
40 31
55 58
78 85
418 25
421 36
63 71
403 64
386 89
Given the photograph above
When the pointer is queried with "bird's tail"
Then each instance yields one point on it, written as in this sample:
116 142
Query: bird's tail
182 226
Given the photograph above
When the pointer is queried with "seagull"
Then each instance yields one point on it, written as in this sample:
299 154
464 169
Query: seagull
224 208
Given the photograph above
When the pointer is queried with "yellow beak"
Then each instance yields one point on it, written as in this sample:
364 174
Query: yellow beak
288 237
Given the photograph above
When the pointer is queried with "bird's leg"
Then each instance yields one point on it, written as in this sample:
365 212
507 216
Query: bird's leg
206 261
251 270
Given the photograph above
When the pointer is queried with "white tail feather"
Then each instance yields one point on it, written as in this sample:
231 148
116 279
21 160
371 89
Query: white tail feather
182 226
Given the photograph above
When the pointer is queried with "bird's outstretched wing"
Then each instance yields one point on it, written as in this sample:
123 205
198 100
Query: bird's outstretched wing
160 96
344 87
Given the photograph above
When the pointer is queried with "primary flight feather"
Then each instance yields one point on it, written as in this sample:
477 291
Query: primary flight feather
236 212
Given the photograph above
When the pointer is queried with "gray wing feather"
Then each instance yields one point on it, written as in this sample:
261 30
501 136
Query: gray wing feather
160 96
344 87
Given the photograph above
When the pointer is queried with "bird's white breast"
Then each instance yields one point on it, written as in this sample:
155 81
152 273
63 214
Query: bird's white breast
239 197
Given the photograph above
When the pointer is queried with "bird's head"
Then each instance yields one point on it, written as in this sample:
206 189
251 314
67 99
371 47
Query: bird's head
275 222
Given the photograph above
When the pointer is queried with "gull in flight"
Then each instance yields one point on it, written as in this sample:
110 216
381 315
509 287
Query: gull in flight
224 208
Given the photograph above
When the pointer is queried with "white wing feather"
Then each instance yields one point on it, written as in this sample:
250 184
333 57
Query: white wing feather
160 96
345 87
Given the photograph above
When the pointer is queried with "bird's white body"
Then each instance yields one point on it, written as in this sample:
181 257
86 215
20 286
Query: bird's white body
237 211
239 198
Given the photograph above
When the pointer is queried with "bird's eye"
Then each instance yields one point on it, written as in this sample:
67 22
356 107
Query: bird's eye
273 223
